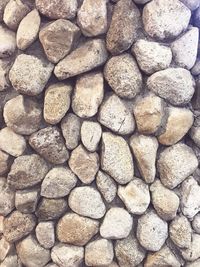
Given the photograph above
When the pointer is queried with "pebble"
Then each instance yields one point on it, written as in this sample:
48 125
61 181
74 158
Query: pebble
178 123
56 102
45 234
135 195
117 224
92 17
115 115
86 57
193 252
22 115
5 65
176 85
4 162
116 158
152 231
129 252
5 248
165 20
14 12
106 185
152 56
123 75
124 27
49 143
31 253
55 9
18 225
90 135
28 29
196 223
7 198
26 200
99 252
87 201
88 94
175 164
71 127
8 42
70 255
58 182
12 143
2 7
165 201
180 232
52 35
26 171
84 164
75 229
191 4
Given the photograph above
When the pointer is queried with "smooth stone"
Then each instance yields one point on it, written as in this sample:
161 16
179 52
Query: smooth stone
90 135
8 42
45 234
4 162
27 200
7 197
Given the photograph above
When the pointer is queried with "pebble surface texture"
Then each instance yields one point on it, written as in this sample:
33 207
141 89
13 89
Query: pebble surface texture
99 133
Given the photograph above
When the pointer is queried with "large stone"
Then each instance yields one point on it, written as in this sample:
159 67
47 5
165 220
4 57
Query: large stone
27 200
7 198
8 42
45 234
4 162
86 57
176 85
116 158
175 164
58 39
26 171
164 20
76 230
90 135
193 252
123 75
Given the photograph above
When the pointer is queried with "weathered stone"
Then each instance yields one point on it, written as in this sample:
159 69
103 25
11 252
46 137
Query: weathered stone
5 248
58 38
117 224
7 198
5 66
28 30
45 234
91 135
84 164
4 162
191 4
88 94
123 75
116 158
87 201
26 200
135 196
86 57
3 4
30 74
196 223
8 42
176 85
76 230
49 143
164 20
27 171
56 102
18 225
193 252
175 164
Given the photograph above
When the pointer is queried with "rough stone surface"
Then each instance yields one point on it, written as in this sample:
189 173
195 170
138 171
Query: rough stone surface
8 42
7 198
5 65
2 7
91 135
45 234
195 135
5 248
4 162
196 223
26 200
193 252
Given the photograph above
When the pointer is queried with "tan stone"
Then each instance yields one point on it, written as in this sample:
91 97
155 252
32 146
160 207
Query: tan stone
4 162
7 39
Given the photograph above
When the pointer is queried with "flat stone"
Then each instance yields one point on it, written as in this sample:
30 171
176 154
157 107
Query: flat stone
18 225
4 162
175 164
152 231
152 56
56 102
58 39
123 75
76 230
49 143
86 57
99 252
165 20
191 4
84 164
124 27
28 29
176 85
165 201
87 201
26 200
45 234
196 223
5 65
92 17
70 255
115 115
71 127
12 143
26 171
8 42
116 158
30 74
2 7
7 198
193 252
117 224
22 115
135 196
58 182
5 248
90 135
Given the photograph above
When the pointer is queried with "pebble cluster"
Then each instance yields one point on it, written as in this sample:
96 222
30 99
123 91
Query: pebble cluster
100 133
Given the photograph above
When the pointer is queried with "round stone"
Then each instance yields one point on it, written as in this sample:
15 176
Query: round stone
7 197
90 135
45 234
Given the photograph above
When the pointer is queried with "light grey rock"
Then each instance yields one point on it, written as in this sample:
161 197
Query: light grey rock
45 234
11 260
193 264
4 162
195 135
196 68
2 7
5 248
193 252
191 4
8 42
90 135
196 223
5 65
26 200
7 198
